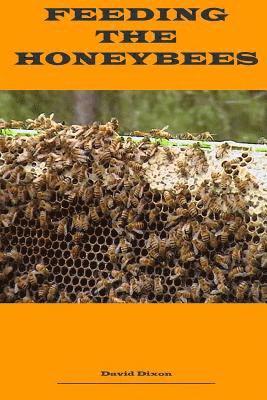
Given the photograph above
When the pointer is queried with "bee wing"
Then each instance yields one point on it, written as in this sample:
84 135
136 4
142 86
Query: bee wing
165 128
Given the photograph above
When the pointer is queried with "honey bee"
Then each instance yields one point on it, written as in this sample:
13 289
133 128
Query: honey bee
181 212
219 276
14 175
29 210
182 200
83 298
153 214
224 235
147 283
168 154
43 291
115 145
223 288
4 274
236 254
75 251
133 269
135 286
64 298
124 246
78 237
32 278
104 205
213 298
242 185
112 253
138 190
204 233
179 272
186 254
195 292
103 284
98 192
262 140
43 219
147 261
153 246
117 275
121 198
62 227
21 282
199 246
205 286
241 290
237 272
255 291
158 287
135 166
15 255
204 264
263 257
136 227
86 194
80 173
241 204
251 270
52 292
205 136
241 233
8 295
161 133
105 157
223 261
187 136
123 288
126 259
192 209
94 214
112 297
3 257
98 170
222 150
183 295
182 168
41 269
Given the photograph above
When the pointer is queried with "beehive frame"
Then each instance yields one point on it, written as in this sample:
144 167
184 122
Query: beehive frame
88 216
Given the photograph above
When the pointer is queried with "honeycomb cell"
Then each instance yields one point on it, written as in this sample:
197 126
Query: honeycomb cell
63 246
90 256
101 240
62 262
88 273
93 239
66 254
69 289
99 257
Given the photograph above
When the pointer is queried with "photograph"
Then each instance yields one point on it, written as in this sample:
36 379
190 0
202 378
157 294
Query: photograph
133 196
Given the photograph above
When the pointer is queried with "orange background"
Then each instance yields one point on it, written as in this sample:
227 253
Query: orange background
44 344
25 30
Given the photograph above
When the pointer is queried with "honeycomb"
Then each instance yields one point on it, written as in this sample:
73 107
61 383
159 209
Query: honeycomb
89 216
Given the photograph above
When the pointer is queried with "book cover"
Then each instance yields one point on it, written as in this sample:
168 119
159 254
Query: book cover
133 199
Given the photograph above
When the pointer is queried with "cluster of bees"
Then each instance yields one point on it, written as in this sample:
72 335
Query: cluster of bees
79 221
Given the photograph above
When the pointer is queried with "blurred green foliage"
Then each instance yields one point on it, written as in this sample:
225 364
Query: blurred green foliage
231 115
